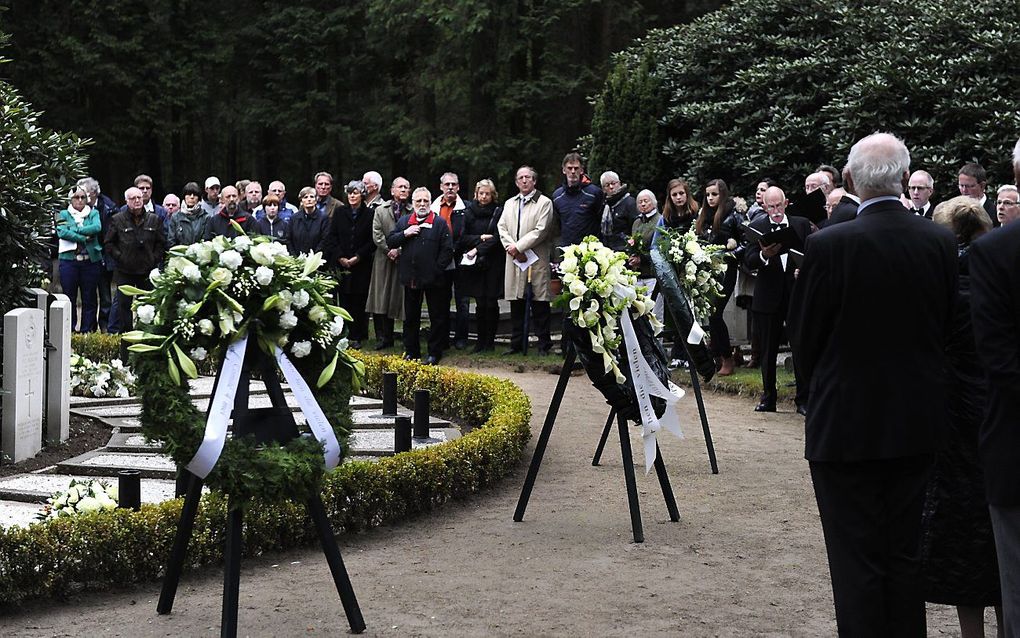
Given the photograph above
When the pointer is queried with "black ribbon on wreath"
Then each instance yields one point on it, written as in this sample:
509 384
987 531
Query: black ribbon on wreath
680 310
621 396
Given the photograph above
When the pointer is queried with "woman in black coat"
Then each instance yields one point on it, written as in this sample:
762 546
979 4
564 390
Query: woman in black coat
349 249
480 270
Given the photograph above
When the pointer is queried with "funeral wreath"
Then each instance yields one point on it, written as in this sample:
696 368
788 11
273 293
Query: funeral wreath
211 295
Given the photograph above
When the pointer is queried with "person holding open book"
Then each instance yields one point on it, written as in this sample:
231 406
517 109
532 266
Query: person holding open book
774 236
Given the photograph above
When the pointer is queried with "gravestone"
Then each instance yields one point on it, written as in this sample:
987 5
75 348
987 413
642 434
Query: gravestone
40 298
21 431
58 370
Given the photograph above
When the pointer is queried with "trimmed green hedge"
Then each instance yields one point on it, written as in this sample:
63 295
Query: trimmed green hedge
107 548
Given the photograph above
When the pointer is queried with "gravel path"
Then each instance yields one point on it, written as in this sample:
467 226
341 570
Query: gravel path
747 557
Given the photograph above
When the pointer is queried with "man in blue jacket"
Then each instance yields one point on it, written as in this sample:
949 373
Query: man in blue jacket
577 203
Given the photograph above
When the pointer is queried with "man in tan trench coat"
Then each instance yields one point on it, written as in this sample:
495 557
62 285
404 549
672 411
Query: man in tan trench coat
526 231
385 294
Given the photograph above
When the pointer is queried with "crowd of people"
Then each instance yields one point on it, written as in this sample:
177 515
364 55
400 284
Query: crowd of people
912 408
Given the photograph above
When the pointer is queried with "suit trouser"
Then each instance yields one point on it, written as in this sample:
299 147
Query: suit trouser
538 322
438 300
383 328
354 303
871 519
1006 527
769 327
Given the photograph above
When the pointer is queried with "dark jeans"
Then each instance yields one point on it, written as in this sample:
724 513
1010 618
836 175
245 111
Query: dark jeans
538 322
105 298
717 329
438 300
355 304
81 277
122 303
871 519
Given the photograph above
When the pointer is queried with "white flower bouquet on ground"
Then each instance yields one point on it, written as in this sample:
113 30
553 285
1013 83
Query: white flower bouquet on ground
100 380
80 496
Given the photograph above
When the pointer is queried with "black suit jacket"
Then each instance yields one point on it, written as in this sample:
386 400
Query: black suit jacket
845 211
995 308
351 237
990 208
773 285
872 312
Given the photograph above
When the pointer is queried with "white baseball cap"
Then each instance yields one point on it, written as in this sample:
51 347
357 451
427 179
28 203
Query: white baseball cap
212 181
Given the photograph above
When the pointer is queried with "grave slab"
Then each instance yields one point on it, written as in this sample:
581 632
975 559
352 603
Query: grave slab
17 513
103 462
380 442
36 488
132 442
21 430
373 420
58 371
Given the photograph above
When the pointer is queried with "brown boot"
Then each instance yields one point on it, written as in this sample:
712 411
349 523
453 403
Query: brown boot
726 369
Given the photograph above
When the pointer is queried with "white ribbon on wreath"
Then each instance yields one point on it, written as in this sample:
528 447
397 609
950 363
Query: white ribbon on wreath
223 403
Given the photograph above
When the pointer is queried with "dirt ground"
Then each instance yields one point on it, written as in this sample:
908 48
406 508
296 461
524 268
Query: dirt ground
746 559
85 436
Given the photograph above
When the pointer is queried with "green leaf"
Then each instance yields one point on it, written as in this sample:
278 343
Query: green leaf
270 302
233 303
187 365
193 309
237 228
131 291
143 347
327 372
171 367
337 310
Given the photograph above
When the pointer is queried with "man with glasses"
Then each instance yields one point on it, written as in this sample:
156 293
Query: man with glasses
144 184
286 208
450 207
971 181
136 240
919 188
426 249
1007 204
772 290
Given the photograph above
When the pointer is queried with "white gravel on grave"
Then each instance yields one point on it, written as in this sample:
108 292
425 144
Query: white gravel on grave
133 460
383 439
153 490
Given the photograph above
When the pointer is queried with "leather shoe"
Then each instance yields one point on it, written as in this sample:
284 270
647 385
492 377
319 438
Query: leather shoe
802 410
764 406
431 360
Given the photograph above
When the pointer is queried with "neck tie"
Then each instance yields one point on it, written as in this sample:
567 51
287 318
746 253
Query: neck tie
776 226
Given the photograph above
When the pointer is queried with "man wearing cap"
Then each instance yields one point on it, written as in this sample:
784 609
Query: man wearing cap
211 201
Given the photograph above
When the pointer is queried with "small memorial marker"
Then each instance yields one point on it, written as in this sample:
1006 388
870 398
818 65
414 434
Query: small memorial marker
21 431
58 371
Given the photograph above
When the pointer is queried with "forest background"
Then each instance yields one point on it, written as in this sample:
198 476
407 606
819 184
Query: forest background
183 89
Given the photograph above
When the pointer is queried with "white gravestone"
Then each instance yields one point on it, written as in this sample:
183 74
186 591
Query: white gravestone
40 298
21 433
58 370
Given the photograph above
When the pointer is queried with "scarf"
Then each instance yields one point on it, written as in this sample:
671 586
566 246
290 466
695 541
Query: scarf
428 219
79 216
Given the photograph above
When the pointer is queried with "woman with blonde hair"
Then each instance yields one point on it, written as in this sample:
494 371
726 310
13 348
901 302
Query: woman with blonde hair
81 258
480 264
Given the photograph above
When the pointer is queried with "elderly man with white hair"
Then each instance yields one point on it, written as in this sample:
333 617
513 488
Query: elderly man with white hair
819 179
1007 204
875 298
373 185
136 239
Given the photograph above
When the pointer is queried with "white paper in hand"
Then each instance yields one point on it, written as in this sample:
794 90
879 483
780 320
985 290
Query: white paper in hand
468 260
531 258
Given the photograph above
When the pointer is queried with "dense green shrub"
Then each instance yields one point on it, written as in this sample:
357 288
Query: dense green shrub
96 346
775 87
108 548
37 168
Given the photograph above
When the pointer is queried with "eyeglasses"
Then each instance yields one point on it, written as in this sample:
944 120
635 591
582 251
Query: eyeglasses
1006 202
919 188
77 197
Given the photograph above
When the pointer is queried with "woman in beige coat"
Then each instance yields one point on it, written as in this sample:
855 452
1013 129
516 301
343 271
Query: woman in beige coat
385 294
527 225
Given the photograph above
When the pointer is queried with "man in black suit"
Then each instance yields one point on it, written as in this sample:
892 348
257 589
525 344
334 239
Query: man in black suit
995 308
920 188
971 181
872 297
844 209
772 289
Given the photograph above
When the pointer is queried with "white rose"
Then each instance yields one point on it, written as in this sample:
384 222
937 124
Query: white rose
577 288
219 243
263 275
263 253
591 268
301 349
692 247
569 264
222 274
146 313
301 299
242 242
154 275
88 504
231 259
318 314
288 320
199 354
206 327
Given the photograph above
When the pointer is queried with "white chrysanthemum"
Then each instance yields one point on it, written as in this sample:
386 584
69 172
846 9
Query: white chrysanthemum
263 275
301 349
146 313
206 327
231 259
192 273
318 314
336 326
288 320
263 254
199 354
301 299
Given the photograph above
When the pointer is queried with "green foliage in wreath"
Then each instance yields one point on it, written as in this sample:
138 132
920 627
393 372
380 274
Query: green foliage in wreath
216 292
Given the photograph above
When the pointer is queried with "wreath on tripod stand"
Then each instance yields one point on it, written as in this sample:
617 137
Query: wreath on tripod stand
214 294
